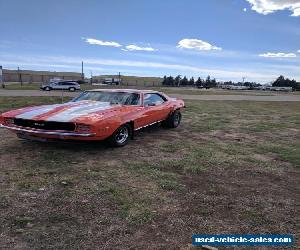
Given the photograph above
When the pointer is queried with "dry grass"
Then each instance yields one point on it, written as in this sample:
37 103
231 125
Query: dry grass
231 167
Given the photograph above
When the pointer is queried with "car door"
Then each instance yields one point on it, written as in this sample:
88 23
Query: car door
58 85
54 85
67 85
155 108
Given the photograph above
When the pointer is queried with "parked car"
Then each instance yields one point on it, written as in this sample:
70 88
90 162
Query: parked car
95 115
116 81
281 89
61 85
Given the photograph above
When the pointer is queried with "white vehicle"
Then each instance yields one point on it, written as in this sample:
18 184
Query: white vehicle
282 88
117 81
235 87
61 85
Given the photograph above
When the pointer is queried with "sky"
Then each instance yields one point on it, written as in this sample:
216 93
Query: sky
226 39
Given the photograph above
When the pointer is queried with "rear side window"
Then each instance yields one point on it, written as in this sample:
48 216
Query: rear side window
153 99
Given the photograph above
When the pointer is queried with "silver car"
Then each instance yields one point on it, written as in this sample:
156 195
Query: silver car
62 85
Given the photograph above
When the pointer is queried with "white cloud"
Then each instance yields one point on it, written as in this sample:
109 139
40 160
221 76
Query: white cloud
269 6
130 47
278 55
245 9
196 44
135 47
102 43
298 51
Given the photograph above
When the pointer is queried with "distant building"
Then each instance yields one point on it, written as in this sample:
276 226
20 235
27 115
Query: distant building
30 76
127 80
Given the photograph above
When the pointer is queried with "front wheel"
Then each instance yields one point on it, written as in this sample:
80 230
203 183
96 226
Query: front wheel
173 120
72 89
121 136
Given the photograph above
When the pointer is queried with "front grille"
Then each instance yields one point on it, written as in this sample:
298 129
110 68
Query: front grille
45 125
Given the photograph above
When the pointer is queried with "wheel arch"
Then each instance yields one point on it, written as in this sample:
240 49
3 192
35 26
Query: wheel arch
131 124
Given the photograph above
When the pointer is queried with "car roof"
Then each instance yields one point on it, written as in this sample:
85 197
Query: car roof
125 90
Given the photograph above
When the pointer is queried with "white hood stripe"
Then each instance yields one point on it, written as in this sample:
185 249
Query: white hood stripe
47 108
37 111
75 112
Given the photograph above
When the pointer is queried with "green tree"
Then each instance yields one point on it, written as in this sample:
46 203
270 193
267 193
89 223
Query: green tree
170 81
192 81
165 81
213 83
177 80
284 82
207 82
279 82
199 82
184 81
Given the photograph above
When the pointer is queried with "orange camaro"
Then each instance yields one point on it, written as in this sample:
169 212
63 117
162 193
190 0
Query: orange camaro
99 114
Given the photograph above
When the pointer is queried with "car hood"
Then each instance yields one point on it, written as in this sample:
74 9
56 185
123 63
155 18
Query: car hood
68 112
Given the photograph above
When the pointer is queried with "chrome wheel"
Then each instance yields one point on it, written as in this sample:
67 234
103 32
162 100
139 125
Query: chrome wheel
122 135
176 119
173 120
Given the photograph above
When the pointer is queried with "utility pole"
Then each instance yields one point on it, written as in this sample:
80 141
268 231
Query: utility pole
1 77
82 75
20 77
119 78
91 77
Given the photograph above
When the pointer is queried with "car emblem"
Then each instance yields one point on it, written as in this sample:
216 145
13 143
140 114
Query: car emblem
39 124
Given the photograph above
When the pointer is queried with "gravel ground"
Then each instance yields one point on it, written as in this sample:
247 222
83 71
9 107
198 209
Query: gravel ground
279 98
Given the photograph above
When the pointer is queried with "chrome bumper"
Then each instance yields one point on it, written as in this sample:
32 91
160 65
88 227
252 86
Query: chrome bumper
44 132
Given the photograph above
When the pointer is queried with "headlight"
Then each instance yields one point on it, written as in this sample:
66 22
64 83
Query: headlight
8 121
83 128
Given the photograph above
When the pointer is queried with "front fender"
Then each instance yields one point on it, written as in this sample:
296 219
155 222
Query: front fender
107 127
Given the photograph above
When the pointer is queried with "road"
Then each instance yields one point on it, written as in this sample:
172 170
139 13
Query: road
273 98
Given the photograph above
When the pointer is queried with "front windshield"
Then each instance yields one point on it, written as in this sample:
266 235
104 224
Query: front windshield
123 98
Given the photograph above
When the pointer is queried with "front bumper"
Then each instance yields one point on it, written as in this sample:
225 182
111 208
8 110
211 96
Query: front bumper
45 132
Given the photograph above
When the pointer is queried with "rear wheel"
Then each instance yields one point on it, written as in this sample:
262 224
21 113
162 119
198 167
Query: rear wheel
47 88
72 89
121 136
173 120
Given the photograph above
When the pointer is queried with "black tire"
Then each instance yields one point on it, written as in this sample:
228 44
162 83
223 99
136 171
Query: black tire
173 120
72 89
47 88
121 136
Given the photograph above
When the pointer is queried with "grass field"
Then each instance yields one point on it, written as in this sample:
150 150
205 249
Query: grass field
231 167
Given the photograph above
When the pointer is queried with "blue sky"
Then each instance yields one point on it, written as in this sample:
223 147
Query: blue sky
227 39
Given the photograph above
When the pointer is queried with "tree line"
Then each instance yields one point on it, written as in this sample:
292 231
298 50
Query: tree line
184 81
285 82
209 82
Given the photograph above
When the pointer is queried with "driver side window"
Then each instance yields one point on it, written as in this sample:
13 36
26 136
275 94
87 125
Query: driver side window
153 100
